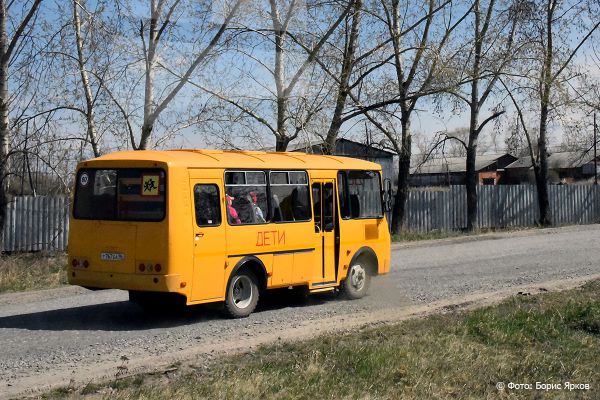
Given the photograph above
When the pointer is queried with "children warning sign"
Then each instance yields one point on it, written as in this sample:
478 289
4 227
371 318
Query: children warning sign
150 185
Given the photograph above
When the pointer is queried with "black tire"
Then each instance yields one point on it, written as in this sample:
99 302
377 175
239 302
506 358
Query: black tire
357 282
242 294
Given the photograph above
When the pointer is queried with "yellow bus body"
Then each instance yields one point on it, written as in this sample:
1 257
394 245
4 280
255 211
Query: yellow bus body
197 262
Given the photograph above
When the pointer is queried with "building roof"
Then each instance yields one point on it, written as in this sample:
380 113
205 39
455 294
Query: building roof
453 164
559 160
235 159
315 147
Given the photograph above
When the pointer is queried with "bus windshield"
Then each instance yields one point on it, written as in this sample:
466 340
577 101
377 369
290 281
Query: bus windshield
122 194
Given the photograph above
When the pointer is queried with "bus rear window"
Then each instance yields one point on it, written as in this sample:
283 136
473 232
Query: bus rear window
124 194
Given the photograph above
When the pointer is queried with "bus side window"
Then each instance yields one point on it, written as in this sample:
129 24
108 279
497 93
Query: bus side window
291 199
343 194
246 193
207 205
328 205
316 192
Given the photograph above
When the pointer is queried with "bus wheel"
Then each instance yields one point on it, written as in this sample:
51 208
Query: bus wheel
357 282
242 295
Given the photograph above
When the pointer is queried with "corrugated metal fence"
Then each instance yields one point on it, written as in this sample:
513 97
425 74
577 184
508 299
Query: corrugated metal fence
36 223
42 223
501 206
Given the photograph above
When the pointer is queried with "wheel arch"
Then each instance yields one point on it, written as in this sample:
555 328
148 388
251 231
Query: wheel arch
367 256
254 264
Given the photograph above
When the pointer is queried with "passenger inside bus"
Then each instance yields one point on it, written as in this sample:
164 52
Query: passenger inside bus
232 214
257 213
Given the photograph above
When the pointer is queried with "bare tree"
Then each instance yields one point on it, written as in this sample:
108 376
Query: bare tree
555 13
416 73
9 47
280 89
490 50
85 80
349 61
151 32
559 31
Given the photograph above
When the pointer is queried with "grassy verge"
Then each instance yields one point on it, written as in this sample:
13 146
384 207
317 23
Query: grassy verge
549 338
30 271
414 236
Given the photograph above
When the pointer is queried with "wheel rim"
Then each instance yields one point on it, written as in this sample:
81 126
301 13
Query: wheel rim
242 291
357 277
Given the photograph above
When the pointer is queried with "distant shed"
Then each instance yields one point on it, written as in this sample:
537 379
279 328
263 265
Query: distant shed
563 168
350 148
452 170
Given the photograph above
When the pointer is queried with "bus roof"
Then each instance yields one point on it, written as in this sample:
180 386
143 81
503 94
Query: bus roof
241 159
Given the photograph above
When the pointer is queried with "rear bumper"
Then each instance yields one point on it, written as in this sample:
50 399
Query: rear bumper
111 280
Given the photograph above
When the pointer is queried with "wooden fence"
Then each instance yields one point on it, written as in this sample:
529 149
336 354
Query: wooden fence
37 223
500 206
42 223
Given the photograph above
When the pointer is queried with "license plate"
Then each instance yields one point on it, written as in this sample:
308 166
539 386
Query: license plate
112 256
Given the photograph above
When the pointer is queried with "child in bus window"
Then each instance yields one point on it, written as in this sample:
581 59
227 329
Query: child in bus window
258 214
231 212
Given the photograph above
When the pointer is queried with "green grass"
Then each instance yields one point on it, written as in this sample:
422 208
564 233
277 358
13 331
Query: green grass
551 338
31 271
436 234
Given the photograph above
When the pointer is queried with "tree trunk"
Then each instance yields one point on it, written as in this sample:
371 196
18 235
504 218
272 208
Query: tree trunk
344 83
399 210
470 173
281 143
546 87
471 186
85 82
542 175
145 138
4 128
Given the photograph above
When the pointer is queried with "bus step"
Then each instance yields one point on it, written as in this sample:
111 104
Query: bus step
325 289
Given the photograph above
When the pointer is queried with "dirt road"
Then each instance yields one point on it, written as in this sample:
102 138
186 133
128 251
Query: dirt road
51 338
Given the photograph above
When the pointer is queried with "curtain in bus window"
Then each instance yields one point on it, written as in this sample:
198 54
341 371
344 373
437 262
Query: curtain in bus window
246 193
343 194
364 194
290 196
127 194
328 204
140 194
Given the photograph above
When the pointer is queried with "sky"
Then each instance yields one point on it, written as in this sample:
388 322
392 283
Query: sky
425 122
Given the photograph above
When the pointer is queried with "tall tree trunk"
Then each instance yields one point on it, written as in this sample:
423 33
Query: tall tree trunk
470 173
281 138
546 87
344 83
149 112
4 129
85 82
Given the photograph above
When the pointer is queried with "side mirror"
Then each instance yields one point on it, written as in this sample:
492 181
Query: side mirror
387 195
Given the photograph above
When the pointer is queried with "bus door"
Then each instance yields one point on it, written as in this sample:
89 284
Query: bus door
208 238
324 220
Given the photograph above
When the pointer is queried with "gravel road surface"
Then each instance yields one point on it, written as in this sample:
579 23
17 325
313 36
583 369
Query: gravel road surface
50 338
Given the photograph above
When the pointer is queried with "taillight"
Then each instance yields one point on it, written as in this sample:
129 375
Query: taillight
75 263
149 267
86 264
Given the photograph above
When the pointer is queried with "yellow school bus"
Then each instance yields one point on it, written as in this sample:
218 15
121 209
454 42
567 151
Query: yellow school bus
223 226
